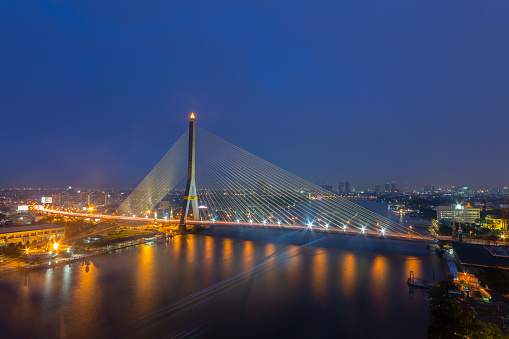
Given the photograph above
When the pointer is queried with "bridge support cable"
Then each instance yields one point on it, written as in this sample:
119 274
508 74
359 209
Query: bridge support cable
165 176
234 185
235 181
287 192
239 181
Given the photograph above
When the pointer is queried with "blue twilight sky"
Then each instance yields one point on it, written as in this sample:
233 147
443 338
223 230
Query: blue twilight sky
93 93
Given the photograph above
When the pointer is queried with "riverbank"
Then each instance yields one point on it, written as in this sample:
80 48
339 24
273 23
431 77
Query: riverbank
21 265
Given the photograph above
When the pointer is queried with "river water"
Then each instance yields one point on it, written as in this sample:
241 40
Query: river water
225 283
381 208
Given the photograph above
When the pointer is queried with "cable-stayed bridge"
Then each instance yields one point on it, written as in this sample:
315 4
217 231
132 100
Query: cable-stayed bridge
226 185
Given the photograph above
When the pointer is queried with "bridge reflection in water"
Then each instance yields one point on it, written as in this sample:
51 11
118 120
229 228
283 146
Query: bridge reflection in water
233 283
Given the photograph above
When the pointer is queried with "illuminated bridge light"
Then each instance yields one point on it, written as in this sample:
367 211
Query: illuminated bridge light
279 223
363 229
310 224
383 231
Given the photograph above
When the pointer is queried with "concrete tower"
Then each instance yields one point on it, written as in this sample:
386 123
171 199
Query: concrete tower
190 196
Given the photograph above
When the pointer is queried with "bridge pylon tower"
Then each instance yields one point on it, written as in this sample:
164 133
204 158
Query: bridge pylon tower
190 195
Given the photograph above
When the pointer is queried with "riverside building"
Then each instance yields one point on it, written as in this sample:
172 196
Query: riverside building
458 213
29 234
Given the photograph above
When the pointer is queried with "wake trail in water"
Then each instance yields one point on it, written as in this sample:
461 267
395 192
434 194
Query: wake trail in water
192 298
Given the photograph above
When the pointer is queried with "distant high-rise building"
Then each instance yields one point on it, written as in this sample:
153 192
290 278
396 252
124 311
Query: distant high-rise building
327 187
427 189
341 188
393 185
377 189
387 187
347 187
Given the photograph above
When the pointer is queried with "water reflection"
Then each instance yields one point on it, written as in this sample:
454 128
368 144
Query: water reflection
208 256
190 249
272 273
379 279
319 275
227 257
177 247
294 276
87 296
145 278
48 283
329 287
349 273
66 281
248 255
413 264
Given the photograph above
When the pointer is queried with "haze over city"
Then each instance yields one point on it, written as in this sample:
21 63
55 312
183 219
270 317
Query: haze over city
94 94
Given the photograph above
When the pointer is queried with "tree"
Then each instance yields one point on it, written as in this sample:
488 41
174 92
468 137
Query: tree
444 229
495 278
450 321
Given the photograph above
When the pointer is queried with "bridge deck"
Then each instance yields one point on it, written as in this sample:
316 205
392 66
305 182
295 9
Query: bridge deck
367 233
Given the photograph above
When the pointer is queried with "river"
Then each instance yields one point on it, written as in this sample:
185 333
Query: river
225 283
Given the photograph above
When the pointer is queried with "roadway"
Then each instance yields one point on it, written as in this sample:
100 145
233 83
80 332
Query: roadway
333 230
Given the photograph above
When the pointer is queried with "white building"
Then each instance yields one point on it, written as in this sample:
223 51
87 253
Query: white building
458 213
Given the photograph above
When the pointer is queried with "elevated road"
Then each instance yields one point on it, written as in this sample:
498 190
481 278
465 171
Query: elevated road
332 230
